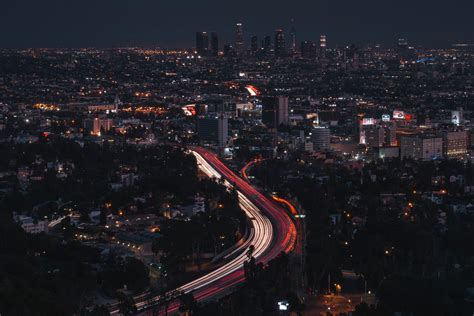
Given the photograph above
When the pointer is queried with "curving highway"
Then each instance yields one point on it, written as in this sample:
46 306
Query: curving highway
272 232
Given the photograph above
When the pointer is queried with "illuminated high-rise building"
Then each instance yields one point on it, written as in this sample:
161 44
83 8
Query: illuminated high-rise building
390 134
421 147
308 49
213 129
374 136
402 43
254 44
322 45
293 38
322 41
455 143
229 51
202 43
279 42
321 137
239 39
267 44
350 53
214 44
404 51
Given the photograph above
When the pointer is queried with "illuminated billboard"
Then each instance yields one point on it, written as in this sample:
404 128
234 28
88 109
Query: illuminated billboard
386 118
189 110
368 121
456 117
252 90
398 115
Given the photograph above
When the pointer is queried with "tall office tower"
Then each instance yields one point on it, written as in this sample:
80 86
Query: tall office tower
455 143
374 136
403 50
293 38
308 49
239 39
254 45
402 43
322 46
279 42
229 51
202 43
350 53
214 44
275 111
320 137
390 134
267 44
421 147
214 129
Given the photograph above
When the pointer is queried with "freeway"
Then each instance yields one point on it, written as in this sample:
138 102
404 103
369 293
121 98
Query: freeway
273 232
246 167
285 231
293 210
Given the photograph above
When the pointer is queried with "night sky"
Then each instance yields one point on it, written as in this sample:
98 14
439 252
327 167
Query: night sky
173 23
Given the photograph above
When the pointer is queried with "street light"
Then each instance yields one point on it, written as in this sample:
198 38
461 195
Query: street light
338 288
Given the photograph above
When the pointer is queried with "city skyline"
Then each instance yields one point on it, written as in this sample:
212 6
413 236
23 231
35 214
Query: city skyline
236 158
145 23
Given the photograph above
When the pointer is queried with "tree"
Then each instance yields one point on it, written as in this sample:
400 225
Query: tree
362 309
250 251
155 245
103 218
189 305
136 274
126 304
296 305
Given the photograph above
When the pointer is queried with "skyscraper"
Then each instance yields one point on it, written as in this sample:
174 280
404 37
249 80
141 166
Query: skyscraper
421 147
202 43
254 45
239 39
455 143
320 137
275 111
322 41
279 42
229 51
214 44
404 51
267 44
308 49
293 38
350 53
374 136
402 43
214 129
322 46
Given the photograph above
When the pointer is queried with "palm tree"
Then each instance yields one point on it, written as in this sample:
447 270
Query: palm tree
250 251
